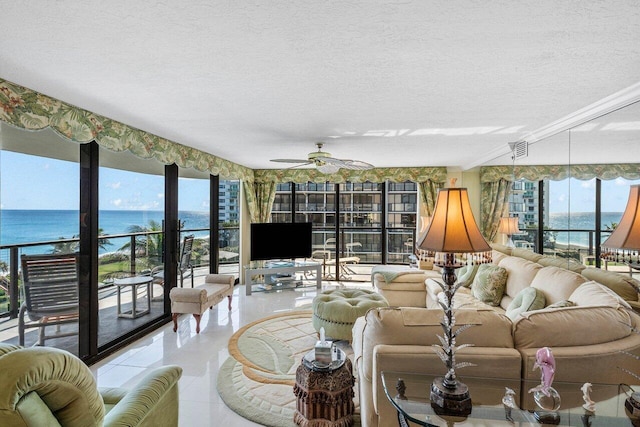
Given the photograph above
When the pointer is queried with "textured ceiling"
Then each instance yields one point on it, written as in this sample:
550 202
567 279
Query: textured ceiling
392 83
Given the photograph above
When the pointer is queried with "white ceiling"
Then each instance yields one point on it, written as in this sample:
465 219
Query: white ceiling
392 83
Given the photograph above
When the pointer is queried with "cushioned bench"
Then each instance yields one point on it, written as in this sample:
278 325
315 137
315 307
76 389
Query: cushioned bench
196 300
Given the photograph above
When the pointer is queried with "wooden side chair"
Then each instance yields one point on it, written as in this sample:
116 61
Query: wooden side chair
50 294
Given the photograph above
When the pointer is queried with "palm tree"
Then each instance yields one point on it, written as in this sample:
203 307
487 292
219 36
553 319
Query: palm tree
149 245
71 247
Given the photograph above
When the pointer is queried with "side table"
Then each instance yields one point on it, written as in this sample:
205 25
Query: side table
324 395
134 283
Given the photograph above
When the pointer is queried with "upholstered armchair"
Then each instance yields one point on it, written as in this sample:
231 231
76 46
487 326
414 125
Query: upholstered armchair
45 386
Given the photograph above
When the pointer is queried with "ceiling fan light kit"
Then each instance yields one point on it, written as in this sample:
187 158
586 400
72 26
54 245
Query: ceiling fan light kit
324 163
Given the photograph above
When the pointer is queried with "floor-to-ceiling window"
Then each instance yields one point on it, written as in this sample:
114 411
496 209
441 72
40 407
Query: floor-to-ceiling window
377 220
39 215
131 223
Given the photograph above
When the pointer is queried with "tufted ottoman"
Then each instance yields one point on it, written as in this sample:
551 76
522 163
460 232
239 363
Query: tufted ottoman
338 310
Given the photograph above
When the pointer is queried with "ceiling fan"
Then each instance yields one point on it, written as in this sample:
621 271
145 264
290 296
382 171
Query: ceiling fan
325 163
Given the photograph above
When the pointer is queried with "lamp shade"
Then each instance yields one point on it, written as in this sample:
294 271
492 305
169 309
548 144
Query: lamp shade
508 226
453 228
626 236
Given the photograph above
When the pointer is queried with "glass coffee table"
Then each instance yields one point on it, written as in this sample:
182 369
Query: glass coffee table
411 400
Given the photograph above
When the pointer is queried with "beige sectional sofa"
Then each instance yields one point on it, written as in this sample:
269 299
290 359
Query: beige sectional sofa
587 338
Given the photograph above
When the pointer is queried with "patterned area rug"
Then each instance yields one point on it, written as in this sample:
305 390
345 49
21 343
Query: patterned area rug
257 380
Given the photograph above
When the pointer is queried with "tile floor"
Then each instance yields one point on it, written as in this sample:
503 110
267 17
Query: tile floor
201 355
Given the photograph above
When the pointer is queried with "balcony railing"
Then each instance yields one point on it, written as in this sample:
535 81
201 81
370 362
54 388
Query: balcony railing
135 259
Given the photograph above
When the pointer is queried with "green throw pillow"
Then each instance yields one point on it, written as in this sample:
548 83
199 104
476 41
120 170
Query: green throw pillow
466 274
562 304
489 284
527 299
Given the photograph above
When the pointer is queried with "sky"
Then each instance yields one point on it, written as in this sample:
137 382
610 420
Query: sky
32 182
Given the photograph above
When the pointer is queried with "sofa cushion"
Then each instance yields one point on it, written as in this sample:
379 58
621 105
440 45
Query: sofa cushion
497 256
520 274
526 254
562 304
571 326
527 299
489 283
565 263
556 283
626 287
594 294
466 274
497 247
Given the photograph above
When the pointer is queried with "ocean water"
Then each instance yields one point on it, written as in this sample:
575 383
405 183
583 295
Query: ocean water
580 221
23 226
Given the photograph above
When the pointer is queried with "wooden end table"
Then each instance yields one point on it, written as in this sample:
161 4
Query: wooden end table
324 394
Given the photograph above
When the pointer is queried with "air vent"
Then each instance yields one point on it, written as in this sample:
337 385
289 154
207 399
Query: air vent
520 149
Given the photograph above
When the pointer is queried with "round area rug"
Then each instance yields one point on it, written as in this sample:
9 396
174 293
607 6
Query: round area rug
257 380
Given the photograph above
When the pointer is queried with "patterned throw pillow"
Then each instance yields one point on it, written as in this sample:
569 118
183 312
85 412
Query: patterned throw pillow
527 299
489 284
466 274
562 304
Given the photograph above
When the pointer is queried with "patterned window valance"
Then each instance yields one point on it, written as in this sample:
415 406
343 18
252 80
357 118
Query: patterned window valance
560 172
30 110
437 174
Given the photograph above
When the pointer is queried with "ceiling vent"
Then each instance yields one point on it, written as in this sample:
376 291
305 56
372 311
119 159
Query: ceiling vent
520 149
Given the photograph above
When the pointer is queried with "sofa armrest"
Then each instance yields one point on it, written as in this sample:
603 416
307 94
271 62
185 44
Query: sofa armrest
154 401
220 278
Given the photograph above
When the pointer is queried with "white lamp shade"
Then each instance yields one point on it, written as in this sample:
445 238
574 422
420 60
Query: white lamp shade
508 226
453 228
627 233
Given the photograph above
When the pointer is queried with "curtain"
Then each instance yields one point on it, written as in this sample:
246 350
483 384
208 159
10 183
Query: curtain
495 204
260 197
428 194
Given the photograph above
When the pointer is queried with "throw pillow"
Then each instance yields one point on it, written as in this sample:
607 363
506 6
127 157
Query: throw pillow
466 274
489 284
562 304
527 299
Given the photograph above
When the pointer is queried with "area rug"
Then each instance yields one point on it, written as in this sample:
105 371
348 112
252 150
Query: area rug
257 380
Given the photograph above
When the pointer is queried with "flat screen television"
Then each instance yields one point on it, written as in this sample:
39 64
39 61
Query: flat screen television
280 240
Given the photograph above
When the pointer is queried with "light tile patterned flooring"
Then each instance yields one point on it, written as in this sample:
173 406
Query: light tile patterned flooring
201 355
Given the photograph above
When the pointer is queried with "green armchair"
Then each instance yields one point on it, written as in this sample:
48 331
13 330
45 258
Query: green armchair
45 386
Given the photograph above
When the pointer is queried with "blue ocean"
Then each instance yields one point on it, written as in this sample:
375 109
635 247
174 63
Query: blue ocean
23 226
580 221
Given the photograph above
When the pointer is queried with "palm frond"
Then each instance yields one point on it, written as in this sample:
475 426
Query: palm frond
440 353
464 365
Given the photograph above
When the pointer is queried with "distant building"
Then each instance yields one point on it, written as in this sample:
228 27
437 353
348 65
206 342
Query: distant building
229 203
524 203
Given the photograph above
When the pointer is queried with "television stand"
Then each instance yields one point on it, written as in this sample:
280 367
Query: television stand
285 269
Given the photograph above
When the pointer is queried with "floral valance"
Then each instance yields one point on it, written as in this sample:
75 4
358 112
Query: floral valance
560 172
30 110
437 174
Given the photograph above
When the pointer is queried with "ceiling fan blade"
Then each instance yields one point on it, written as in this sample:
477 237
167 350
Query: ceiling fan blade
332 161
290 160
300 165
357 165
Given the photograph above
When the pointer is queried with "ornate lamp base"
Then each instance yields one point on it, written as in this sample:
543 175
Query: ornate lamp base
450 401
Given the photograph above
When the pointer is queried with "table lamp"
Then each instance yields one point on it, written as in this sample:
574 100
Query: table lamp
624 243
509 227
454 237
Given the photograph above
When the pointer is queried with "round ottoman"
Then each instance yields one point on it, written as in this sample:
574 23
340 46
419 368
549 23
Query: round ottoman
338 310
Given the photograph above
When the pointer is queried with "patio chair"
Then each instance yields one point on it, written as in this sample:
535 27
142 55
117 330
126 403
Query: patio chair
185 267
50 294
